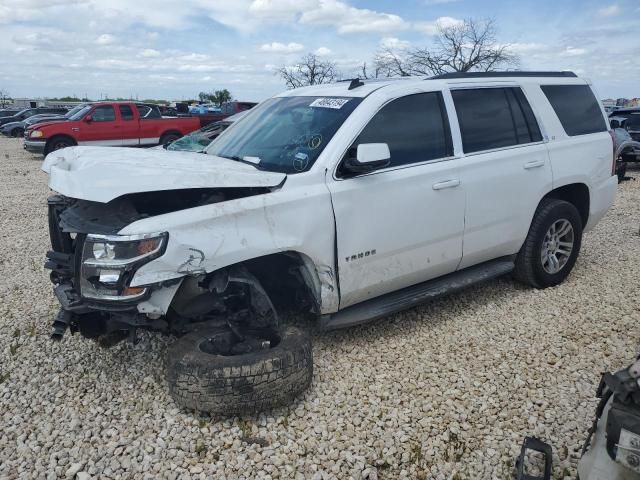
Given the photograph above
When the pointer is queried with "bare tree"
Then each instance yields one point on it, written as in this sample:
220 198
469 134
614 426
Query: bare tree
392 63
469 46
5 99
310 70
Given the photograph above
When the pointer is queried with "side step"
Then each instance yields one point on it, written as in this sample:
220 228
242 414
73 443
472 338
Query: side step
415 295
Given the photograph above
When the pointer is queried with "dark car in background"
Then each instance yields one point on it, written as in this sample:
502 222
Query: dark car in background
17 129
30 112
7 112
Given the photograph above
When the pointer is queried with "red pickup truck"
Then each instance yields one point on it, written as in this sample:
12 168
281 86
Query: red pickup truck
114 124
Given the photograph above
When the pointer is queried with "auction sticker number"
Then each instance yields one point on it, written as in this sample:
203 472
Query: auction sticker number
329 102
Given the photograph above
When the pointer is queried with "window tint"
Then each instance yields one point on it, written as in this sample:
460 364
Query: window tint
415 128
126 113
104 113
576 107
494 118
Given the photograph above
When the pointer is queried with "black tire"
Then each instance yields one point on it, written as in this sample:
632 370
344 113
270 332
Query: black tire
242 383
169 138
17 132
621 171
529 267
58 143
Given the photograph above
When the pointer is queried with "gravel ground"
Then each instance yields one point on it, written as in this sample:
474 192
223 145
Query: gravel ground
444 391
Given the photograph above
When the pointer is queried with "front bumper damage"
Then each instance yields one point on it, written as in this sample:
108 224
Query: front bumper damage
94 317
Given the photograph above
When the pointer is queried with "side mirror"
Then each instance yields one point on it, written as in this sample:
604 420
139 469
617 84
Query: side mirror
369 157
88 119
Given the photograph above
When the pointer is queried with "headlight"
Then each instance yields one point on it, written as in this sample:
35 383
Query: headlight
109 262
36 134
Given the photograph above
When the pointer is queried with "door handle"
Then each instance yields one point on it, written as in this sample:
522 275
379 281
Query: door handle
446 184
533 164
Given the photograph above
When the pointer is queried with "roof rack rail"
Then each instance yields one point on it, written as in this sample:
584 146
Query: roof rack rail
516 73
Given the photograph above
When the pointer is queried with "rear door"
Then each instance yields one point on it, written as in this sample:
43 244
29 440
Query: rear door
505 169
130 126
102 129
402 224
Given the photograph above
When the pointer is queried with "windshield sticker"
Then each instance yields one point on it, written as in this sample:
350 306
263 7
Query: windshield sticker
335 103
315 141
300 161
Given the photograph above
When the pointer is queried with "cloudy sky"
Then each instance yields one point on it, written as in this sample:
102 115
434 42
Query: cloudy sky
174 49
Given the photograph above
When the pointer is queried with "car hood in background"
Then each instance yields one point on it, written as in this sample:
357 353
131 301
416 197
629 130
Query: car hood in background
101 174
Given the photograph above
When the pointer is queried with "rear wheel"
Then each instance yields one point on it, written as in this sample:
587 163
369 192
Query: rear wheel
168 138
552 245
17 132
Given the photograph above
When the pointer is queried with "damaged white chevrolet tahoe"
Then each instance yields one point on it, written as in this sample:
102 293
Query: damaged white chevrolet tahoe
351 201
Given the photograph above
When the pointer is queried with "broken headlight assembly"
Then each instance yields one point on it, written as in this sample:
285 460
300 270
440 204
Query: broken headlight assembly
110 261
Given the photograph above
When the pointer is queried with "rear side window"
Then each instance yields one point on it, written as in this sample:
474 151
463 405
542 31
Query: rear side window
415 127
126 113
494 118
576 107
104 113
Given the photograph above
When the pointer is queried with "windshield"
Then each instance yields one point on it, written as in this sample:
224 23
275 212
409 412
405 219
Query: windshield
73 111
285 134
80 113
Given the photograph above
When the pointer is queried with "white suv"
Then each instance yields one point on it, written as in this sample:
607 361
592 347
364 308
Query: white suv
352 200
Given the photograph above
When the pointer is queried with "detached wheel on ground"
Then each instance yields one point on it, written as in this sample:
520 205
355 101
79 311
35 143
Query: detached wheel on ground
552 245
210 371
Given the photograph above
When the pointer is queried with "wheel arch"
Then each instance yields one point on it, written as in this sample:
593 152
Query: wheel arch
576 194
58 136
170 132
291 279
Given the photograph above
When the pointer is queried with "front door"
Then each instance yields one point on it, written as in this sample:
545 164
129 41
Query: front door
102 129
402 224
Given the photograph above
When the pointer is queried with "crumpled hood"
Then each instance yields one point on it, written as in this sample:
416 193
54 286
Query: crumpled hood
101 174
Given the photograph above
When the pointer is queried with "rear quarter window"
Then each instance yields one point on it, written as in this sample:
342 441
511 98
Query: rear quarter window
576 107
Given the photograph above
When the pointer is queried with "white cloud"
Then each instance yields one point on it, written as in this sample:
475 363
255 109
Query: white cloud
277 47
394 43
348 19
105 39
610 11
323 51
432 28
149 53
280 10
438 2
573 51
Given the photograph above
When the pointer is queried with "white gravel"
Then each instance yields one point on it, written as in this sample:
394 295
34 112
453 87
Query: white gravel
445 391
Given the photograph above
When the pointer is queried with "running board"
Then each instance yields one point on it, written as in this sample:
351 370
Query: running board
415 295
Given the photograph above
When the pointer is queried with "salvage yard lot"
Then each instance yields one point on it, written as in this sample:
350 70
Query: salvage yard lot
447 389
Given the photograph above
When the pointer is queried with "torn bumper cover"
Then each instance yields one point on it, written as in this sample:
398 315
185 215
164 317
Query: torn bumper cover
92 276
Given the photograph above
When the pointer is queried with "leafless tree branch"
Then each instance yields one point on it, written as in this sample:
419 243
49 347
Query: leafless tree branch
310 70
469 46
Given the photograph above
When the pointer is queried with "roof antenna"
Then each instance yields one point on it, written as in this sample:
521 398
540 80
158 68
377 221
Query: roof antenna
355 83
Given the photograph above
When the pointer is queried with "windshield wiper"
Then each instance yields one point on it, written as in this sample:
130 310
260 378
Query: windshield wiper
238 158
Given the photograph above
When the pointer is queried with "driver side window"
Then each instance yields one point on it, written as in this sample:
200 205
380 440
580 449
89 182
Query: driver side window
415 128
104 113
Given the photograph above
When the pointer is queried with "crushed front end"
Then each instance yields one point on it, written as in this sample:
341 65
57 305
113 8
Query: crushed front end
92 268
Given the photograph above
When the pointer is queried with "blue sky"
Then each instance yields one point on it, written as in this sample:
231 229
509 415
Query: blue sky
169 49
